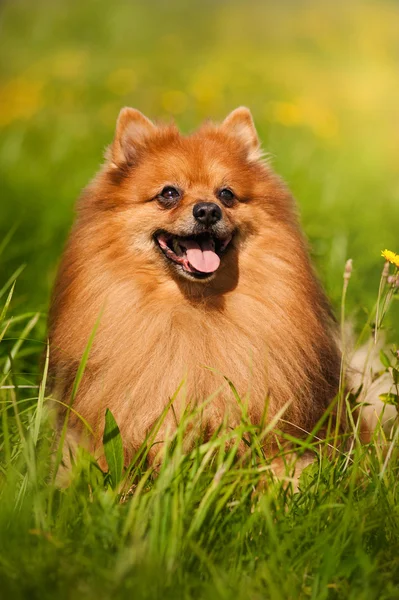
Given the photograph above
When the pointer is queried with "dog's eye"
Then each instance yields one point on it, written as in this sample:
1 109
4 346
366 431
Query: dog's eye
170 193
226 196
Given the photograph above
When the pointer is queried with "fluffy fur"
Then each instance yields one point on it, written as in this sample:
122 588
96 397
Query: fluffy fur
261 320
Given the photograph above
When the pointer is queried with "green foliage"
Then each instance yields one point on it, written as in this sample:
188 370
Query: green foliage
385 360
207 524
390 398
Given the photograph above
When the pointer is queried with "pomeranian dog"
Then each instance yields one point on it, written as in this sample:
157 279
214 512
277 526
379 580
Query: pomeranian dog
188 254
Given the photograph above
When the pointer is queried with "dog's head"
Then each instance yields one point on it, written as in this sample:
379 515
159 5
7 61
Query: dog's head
186 204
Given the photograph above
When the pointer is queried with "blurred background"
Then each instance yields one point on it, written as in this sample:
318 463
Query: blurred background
321 79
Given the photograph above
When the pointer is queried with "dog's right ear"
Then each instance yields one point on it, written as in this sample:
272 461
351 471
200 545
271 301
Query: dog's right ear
239 124
132 129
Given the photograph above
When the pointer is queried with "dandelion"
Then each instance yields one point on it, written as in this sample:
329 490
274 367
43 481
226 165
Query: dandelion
385 295
391 257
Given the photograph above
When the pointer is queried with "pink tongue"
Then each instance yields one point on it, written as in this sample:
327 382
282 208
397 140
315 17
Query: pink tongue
203 258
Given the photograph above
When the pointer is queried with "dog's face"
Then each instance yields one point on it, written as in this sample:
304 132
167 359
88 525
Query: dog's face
186 203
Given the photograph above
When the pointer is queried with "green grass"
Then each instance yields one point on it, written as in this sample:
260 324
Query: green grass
211 523
321 81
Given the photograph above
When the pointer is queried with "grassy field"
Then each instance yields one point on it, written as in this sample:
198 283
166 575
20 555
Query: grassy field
321 81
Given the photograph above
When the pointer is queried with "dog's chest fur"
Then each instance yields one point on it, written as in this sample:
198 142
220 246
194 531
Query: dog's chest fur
161 343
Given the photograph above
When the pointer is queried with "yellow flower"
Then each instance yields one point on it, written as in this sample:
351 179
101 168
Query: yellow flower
391 257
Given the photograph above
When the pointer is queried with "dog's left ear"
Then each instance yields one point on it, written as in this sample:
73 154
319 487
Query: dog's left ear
239 123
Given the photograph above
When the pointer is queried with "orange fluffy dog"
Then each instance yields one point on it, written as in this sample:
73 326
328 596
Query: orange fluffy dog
190 250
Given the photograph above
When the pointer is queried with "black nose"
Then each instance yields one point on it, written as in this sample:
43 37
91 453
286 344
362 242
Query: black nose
207 213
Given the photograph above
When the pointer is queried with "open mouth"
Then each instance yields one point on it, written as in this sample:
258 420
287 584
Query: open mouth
197 255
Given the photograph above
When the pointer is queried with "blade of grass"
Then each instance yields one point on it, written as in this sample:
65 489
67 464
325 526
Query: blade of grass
7 304
40 401
25 332
7 238
11 280
113 448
